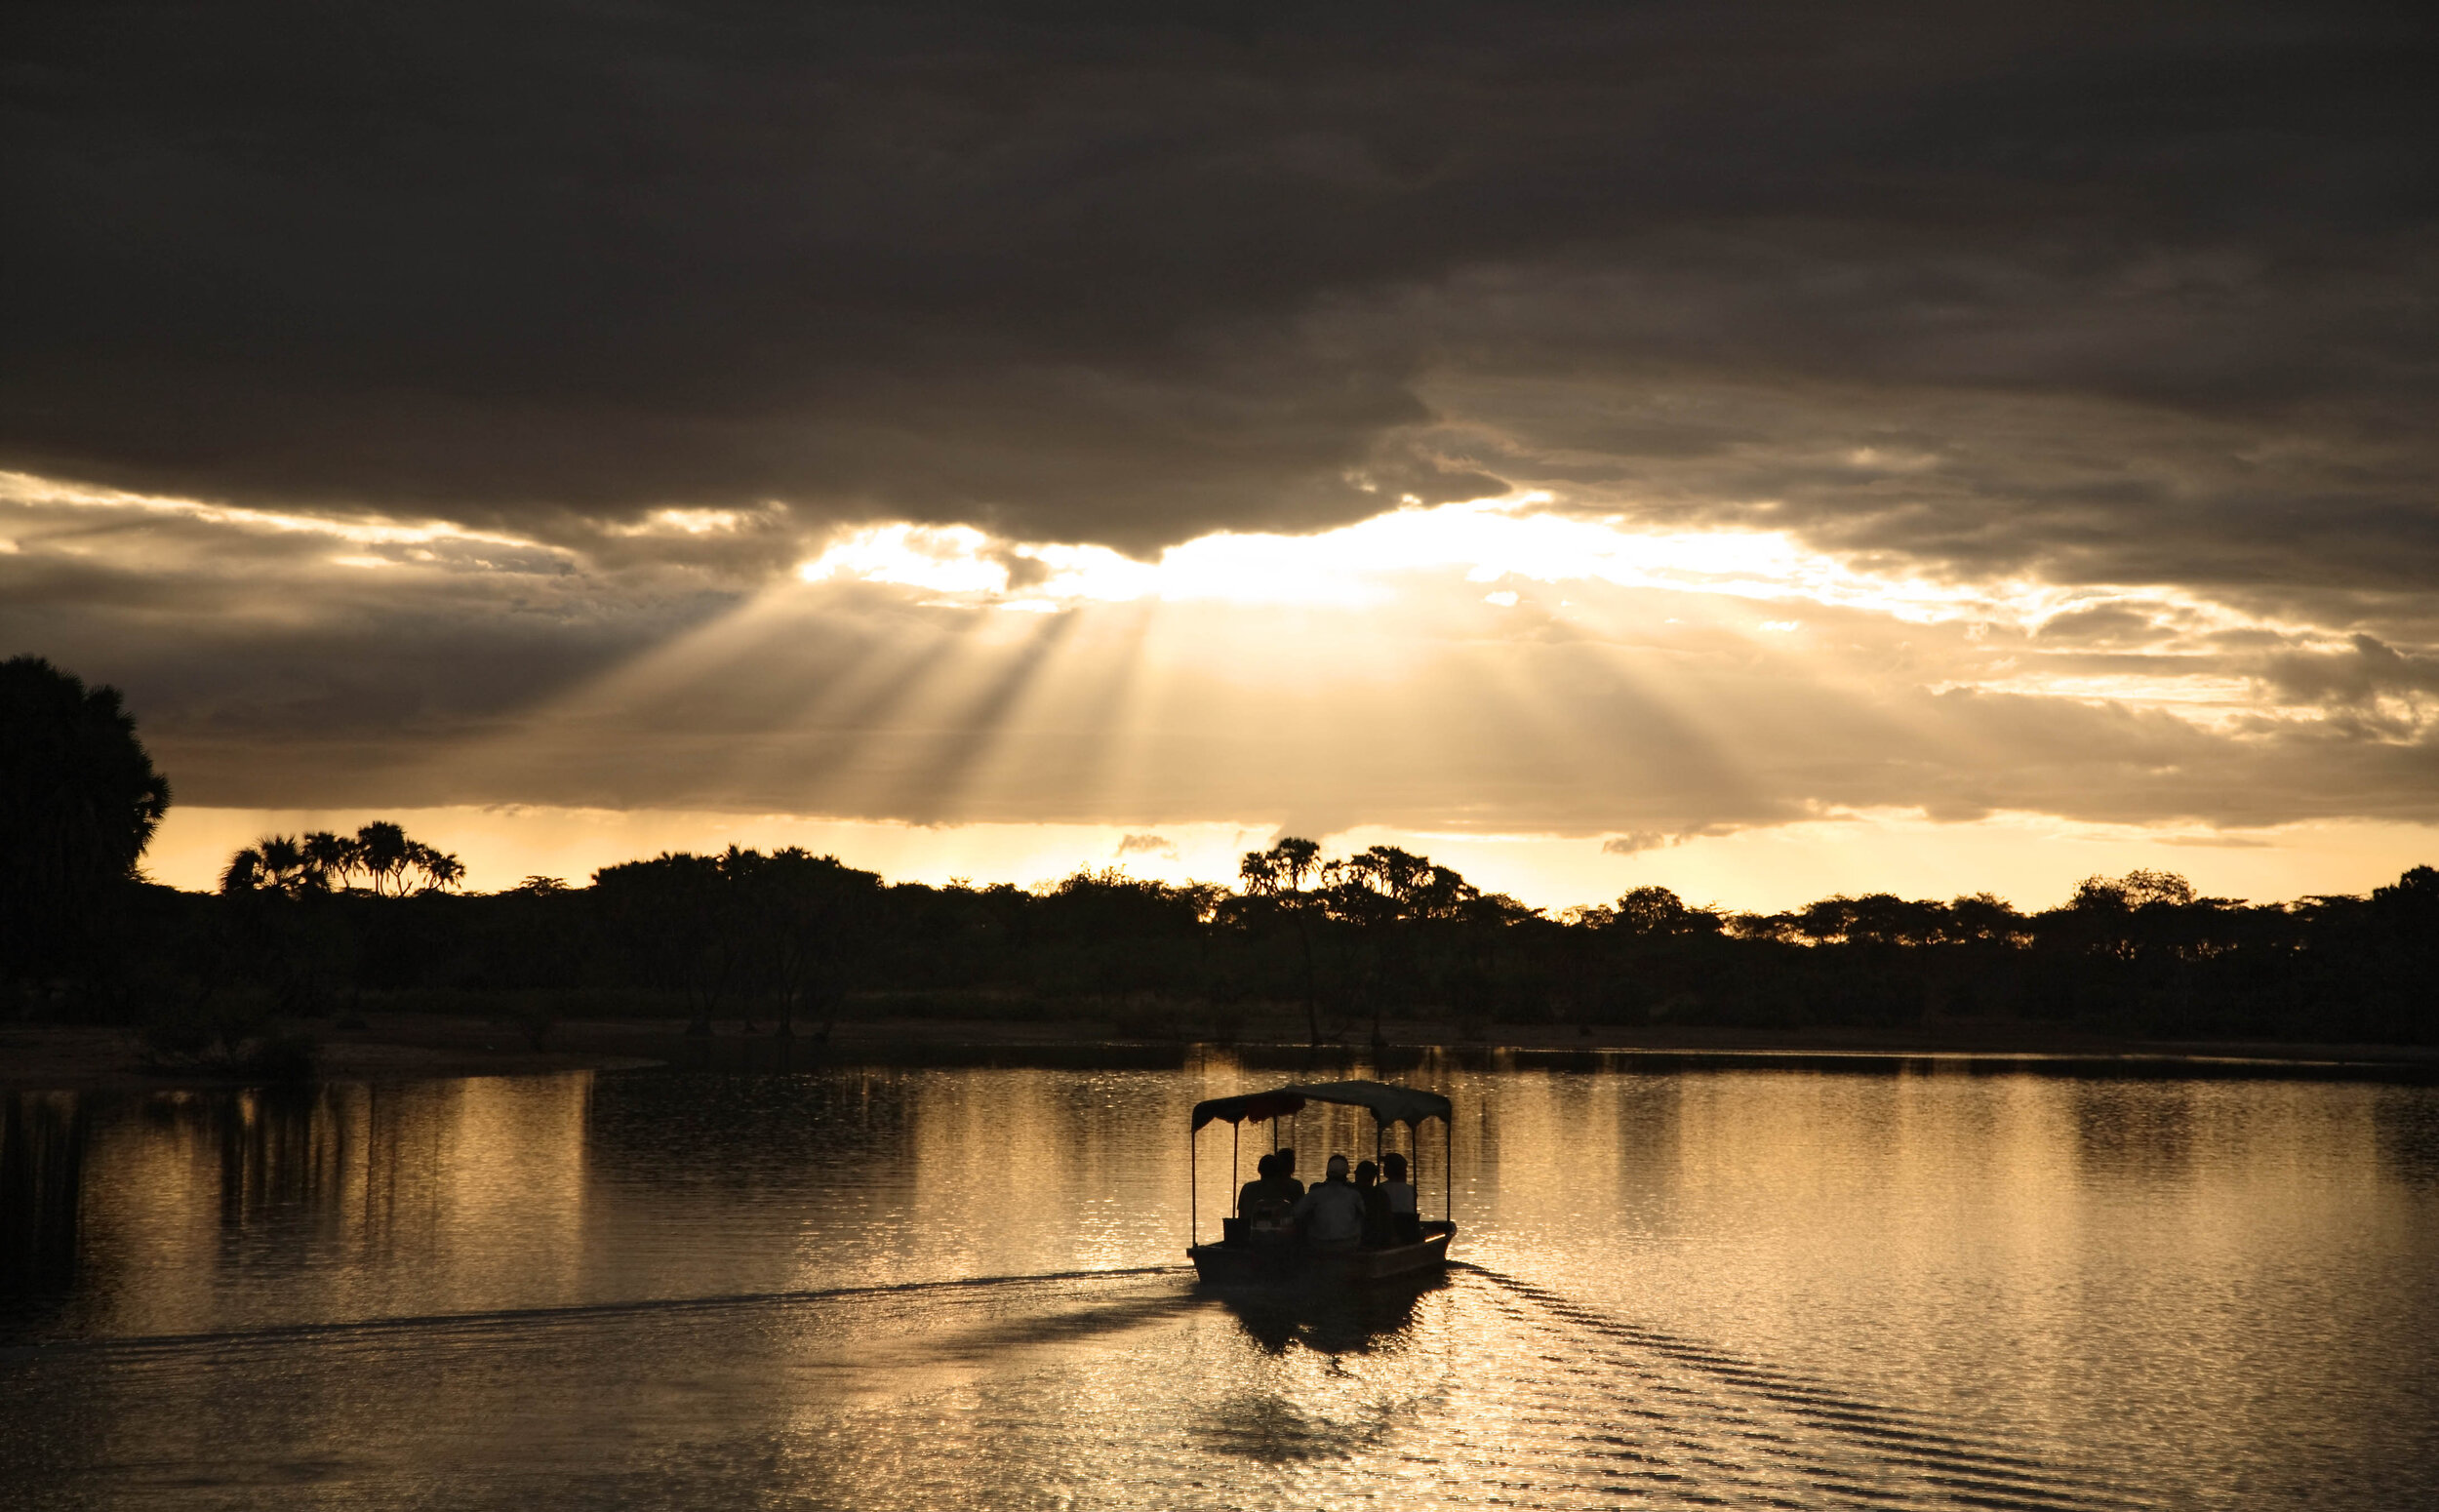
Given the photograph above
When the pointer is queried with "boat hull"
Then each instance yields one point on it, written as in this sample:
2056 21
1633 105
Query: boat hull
1287 1264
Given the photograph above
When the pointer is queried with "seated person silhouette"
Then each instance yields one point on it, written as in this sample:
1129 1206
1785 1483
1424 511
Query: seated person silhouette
1331 1215
1250 1194
1264 1202
1375 1205
1286 1171
1397 1199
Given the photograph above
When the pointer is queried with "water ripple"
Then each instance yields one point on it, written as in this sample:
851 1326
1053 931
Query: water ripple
1735 1430
1117 1389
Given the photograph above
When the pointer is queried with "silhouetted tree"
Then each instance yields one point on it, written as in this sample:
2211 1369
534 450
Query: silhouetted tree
677 922
79 801
392 863
2124 917
395 864
276 929
1106 931
1277 877
2135 890
1657 911
812 917
332 859
2137 954
276 863
1986 918
287 928
1394 901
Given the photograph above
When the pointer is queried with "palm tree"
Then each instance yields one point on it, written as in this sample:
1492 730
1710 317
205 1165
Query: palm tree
332 859
439 869
384 851
244 872
1278 874
391 861
274 864
299 951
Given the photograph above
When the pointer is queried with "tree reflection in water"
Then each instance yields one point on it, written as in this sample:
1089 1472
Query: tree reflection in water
899 1288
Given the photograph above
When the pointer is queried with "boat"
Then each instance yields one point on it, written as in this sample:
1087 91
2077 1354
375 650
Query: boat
1243 1258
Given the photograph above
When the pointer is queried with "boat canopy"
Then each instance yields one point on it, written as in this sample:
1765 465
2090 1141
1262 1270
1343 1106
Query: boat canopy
1389 1104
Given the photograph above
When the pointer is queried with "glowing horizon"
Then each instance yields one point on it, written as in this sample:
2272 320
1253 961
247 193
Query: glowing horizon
2030 861
1730 704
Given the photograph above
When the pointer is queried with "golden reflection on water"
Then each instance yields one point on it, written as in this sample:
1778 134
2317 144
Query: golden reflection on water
1807 1286
472 1192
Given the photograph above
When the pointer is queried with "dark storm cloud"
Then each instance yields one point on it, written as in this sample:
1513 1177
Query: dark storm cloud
2354 679
2109 295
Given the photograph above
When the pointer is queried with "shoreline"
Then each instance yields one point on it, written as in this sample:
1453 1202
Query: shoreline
418 1047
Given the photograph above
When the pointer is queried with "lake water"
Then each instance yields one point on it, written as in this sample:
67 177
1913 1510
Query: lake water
944 1288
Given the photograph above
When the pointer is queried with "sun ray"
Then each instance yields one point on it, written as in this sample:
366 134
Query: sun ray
936 783
1080 708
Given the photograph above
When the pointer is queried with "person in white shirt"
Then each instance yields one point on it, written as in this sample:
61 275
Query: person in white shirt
1332 1214
1405 1220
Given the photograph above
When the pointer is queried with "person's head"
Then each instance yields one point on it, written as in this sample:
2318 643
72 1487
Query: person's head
1286 1157
1365 1173
1336 1169
1267 1167
1392 1167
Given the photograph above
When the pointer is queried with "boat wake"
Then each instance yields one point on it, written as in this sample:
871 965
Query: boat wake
526 1317
1120 1388
1688 1415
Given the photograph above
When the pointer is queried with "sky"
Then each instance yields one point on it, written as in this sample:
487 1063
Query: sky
1765 451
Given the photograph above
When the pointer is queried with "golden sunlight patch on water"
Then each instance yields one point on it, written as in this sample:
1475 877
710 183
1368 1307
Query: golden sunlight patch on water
862 1287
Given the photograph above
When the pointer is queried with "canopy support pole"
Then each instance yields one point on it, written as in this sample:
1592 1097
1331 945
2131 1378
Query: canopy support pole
1233 1131
1448 1169
1193 1191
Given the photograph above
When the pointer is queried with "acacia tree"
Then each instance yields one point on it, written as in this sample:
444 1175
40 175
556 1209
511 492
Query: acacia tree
2131 916
1654 910
79 801
1277 877
1396 900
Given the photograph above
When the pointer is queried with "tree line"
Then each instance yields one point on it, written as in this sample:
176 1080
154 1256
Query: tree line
1337 946
323 924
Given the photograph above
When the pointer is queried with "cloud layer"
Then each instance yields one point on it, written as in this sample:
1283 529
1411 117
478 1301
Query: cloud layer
901 412
1488 669
2119 295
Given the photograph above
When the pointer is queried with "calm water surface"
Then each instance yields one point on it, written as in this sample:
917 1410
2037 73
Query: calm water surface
864 1288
